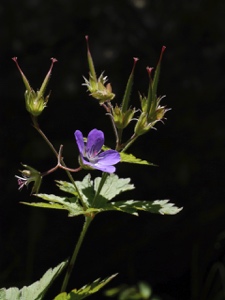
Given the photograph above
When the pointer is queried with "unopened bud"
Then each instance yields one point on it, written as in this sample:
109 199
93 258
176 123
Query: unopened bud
97 87
35 101
142 125
122 119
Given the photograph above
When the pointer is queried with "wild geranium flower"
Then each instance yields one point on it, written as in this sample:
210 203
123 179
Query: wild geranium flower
29 175
91 156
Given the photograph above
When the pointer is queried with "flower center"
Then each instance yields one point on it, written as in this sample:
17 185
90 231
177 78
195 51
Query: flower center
91 155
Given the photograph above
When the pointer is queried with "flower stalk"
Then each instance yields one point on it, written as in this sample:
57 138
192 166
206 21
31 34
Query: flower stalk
37 127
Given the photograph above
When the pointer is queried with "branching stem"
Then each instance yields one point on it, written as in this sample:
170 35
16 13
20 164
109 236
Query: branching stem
63 165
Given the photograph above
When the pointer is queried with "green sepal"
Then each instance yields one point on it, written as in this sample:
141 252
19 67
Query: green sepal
35 291
86 290
122 119
142 126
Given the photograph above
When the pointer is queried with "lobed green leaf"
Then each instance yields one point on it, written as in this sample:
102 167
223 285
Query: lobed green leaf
56 202
35 291
130 158
163 207
86 290
113 186
100 201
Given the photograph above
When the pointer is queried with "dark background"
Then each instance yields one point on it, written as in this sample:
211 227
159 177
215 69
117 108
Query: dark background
174 254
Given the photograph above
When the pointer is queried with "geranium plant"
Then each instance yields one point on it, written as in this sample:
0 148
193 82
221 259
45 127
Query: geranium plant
91 195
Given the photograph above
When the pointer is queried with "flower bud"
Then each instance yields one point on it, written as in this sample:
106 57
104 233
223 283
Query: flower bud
160 112
142 125
144 103
99 89
97 86
152 111
122 119
29 175
35 101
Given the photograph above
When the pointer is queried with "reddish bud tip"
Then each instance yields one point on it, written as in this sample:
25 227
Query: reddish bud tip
135 61
87 42
15 60
149 70
161 54
54 60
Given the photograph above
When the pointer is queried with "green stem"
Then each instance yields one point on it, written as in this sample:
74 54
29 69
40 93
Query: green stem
119 140
103 179
87 222
109 110
130 142
37 127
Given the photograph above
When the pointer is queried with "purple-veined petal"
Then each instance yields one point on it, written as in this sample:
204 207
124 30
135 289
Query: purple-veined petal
95 141
87 163
107 169
80 141
99 166
109 157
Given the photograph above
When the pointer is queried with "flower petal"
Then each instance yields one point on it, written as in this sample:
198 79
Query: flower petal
107 169
108 157
80 141
95 141
98 166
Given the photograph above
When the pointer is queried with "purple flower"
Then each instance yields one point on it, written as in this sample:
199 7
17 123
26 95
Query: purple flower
29 175
90 152
22 181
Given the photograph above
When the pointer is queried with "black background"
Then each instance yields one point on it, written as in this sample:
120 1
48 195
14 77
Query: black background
174 254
